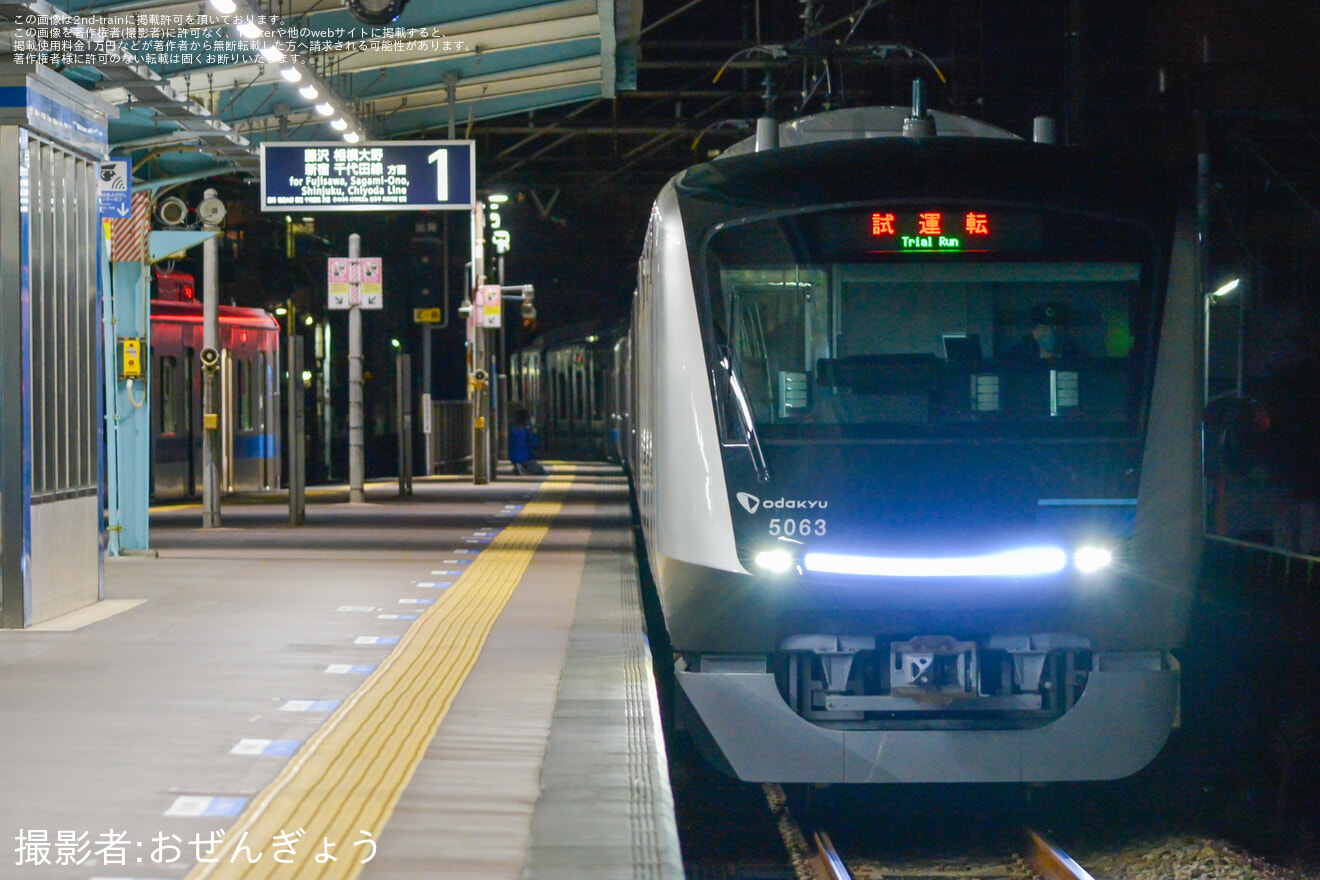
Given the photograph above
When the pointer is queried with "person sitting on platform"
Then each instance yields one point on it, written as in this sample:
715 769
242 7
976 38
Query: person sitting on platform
523 444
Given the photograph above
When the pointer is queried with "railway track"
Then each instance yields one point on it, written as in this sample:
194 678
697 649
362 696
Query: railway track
812 856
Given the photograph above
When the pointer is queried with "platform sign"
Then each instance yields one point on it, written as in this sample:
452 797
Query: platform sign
488 296
355 282
114 188
376 176
371 277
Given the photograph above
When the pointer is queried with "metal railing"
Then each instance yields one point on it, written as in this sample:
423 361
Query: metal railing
451 436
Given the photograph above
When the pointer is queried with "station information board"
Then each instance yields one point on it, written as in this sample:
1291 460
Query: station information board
378 176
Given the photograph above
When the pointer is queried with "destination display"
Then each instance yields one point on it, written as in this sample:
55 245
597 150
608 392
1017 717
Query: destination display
967 230
395 176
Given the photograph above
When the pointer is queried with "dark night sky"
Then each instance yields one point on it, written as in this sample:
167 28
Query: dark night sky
1259 93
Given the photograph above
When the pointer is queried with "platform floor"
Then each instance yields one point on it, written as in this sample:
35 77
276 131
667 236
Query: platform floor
451 685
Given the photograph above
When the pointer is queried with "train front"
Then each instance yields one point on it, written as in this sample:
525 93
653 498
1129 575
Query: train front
954 515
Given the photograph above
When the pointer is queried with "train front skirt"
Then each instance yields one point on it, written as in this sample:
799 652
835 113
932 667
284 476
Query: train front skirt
1119 725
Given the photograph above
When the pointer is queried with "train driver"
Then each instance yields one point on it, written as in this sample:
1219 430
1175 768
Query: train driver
1050 337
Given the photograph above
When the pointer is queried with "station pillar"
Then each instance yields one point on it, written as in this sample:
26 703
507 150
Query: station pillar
52 140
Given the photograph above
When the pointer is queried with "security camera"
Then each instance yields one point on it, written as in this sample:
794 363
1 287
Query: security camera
108 173
376 11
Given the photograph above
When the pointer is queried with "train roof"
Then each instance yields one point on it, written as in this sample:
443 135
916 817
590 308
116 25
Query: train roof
856 170
168 310
864 123
606 332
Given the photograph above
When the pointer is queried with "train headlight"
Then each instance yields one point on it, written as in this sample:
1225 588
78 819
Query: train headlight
1091 558
774 561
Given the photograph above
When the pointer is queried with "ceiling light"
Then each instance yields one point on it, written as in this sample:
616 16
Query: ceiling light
224 7
292 74
309 92
339 124
272 53
248 30
326 109
352 137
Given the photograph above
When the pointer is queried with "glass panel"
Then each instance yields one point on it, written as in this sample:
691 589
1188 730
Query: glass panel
169 395
877 344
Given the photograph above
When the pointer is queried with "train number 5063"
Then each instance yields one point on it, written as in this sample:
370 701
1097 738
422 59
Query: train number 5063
790 527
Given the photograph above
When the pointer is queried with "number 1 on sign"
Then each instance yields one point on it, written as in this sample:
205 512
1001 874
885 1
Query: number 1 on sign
440 158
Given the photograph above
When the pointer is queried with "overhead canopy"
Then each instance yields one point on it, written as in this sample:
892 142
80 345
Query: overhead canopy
195 95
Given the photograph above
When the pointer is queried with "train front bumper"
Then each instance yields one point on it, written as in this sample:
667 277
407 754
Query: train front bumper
1118 726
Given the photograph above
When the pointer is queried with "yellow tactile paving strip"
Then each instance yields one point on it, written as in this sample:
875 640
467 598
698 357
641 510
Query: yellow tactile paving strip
344 783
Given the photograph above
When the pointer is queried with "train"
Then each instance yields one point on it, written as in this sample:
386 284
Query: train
572 383
911 413
248 394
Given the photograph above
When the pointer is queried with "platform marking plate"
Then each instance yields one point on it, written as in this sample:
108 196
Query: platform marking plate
200 805
350 668
376 640
310 706
283 747
350 774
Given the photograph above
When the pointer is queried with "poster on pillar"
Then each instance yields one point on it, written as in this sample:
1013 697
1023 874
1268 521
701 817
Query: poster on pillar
488 295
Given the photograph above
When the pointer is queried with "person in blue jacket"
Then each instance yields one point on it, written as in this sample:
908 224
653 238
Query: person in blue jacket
523 444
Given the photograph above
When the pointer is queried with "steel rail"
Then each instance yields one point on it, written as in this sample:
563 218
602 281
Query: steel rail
1051 861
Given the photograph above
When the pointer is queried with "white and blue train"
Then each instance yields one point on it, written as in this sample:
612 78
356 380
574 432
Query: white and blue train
914 429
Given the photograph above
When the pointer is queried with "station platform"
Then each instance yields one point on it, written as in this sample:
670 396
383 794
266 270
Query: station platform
453 684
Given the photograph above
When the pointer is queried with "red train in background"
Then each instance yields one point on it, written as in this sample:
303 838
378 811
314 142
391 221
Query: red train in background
249 393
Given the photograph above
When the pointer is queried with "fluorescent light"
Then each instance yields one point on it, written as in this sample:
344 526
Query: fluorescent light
309 92
497 197
339 124
352 137
1227 288
1012 563
272 53
248 30
326 109
776 561
292 74
1090 559
224 7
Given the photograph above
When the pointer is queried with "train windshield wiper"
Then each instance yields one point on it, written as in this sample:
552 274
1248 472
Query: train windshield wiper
753 442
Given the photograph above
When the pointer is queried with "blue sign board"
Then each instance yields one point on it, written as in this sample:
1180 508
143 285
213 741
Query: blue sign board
114 188
383 176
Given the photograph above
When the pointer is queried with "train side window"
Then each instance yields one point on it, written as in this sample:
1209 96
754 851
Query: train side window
579 393
244 394
169 395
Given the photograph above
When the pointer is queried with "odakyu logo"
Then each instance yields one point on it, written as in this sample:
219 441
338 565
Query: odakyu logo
752 504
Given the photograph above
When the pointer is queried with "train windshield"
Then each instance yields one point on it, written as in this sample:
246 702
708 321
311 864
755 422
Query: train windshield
825 334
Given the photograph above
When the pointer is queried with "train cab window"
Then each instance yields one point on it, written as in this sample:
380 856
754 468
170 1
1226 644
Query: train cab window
827 338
